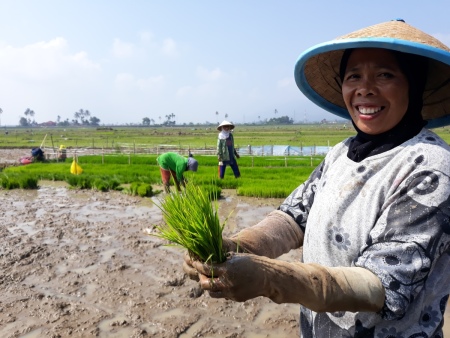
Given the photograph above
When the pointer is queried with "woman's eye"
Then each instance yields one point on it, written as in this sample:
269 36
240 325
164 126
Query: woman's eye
387 75
352 76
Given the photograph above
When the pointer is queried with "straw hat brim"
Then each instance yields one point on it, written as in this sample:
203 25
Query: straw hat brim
317 69
225 123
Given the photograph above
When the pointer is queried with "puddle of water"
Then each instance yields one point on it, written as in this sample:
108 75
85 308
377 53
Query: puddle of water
33 334
63 268
21 228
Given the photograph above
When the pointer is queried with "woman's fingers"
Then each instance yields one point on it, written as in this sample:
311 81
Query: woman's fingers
188 268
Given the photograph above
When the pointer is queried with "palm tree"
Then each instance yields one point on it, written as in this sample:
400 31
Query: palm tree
76 116
226 116
1 111
29 113
217 116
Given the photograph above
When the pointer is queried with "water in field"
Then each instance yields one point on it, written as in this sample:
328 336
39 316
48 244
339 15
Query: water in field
283 150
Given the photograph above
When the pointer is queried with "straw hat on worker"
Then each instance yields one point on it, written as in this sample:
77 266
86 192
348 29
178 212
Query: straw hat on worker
225 123
317 72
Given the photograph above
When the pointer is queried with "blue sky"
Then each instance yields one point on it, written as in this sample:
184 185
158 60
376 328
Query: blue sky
126 60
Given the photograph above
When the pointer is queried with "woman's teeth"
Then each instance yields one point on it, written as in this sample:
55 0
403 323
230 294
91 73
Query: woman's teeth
368 111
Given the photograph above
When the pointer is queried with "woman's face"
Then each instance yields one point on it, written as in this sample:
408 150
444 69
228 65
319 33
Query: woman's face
375 90
226 128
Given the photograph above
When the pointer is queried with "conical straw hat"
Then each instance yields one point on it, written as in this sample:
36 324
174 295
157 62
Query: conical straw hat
225 123
317 69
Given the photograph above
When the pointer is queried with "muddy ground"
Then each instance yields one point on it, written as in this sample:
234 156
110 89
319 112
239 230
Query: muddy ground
79 264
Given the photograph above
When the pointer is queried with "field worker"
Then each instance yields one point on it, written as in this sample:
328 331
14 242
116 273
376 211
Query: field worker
373 219
226 153
173 164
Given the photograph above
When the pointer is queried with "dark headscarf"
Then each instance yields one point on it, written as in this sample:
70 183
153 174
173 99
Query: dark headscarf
363 145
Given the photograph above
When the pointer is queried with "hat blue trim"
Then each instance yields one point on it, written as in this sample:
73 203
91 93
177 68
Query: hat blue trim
386 43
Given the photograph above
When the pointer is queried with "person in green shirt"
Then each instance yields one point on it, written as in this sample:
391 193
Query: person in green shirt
173 164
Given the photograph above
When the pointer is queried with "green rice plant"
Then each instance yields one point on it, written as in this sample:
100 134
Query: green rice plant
145 190
27 182
78 181
140 189
105 183
191 221
100 184
211 191
9 182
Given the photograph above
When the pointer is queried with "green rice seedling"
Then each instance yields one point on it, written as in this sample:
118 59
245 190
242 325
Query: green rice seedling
81 182
141 189
7 182
145 190
211 191
27 182
191 221
100 185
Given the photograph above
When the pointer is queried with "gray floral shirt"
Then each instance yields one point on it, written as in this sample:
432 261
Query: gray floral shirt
389 214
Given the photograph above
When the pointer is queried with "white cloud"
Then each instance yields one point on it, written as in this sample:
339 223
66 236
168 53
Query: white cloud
127 82
286 82
47 77
146 36
122 49
169 48
43 61
209 75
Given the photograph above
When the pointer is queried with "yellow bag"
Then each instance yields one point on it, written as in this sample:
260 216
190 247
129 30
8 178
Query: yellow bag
75 168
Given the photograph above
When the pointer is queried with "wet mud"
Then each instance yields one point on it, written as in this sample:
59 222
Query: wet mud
79 263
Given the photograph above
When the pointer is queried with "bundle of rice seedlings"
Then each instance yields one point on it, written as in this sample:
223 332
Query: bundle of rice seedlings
191 220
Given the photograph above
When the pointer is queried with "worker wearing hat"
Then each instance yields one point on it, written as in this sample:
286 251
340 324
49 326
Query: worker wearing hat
373 219
226 152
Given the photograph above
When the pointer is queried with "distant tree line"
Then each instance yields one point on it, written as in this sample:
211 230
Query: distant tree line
280 120
81 117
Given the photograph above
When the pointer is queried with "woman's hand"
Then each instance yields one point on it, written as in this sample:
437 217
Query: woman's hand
188 268
228 246
239 278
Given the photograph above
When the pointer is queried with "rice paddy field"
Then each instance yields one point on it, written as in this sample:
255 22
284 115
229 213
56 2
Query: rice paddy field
124 158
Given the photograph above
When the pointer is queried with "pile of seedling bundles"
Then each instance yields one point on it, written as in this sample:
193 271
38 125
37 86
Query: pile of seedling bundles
191 220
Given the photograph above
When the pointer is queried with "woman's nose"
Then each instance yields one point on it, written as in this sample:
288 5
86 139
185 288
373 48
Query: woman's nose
366 87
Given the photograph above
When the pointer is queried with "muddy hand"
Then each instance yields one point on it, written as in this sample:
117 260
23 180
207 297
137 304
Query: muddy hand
240 278
188 268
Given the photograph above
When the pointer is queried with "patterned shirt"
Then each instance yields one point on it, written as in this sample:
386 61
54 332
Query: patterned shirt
390 214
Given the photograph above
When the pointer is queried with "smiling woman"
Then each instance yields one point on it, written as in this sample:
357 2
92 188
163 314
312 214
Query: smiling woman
373 219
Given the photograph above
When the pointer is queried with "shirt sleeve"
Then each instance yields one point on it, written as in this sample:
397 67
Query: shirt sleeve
299 202
409 237
220 149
